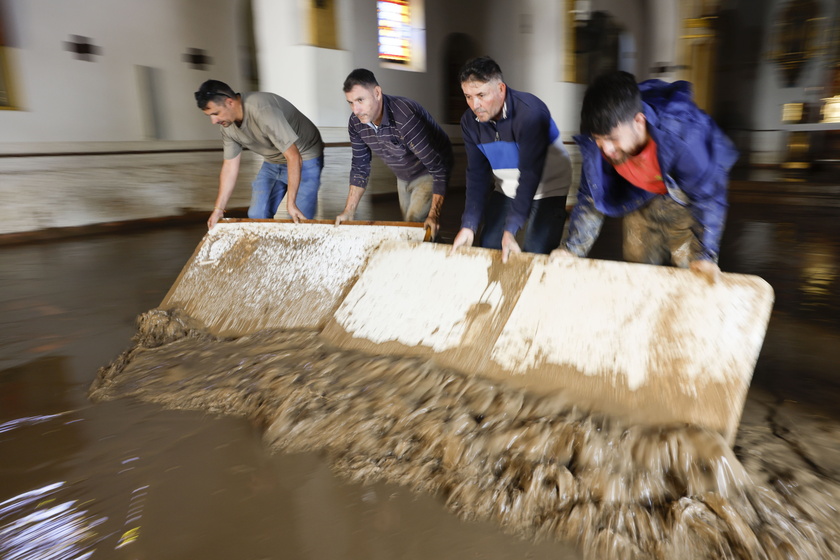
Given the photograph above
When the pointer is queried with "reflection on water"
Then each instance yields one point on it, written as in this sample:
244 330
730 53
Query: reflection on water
18 422
799 256
37 524
138 482
135 513
819 273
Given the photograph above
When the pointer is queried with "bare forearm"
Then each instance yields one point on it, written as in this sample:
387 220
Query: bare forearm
437 204
294 164
227 182
354 196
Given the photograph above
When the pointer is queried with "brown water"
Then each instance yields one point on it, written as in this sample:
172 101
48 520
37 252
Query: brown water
534 466
130 480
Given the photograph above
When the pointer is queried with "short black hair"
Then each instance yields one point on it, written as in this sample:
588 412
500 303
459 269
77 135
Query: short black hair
612 99
215 91
482 69
360 77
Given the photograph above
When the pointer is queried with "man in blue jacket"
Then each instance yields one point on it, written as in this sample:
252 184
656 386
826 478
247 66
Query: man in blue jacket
517 168
650 155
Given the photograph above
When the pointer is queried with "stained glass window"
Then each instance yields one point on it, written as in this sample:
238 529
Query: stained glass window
394 31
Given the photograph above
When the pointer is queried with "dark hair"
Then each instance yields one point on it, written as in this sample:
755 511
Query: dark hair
610 100
215 91
360 77
482 69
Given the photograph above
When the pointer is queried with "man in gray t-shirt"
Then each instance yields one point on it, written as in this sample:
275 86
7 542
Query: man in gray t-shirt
269 125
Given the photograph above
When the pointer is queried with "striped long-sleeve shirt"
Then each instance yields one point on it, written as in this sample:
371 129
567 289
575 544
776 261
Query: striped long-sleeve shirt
408 140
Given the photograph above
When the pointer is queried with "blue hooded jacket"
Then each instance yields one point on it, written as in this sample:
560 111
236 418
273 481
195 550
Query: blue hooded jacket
694 155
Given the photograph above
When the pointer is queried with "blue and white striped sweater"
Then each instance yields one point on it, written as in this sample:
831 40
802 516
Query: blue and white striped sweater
521 155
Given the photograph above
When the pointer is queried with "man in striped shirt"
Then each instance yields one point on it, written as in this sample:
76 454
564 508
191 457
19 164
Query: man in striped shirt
408 140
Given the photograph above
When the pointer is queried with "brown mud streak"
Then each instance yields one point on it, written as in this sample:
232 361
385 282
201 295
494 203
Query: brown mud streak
534 464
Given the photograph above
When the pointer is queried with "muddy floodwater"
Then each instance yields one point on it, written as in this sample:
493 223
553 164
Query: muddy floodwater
187 451
131 480
537 467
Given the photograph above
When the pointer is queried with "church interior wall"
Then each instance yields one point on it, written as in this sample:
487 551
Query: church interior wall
123 89
64 96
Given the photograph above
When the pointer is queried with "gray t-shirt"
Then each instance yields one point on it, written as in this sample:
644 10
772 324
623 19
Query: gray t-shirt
270 125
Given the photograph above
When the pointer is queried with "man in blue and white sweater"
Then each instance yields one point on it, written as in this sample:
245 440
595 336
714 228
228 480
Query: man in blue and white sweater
517 168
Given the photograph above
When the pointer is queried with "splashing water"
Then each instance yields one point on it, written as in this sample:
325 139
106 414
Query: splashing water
538 466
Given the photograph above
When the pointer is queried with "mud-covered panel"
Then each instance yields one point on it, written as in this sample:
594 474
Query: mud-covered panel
248 276
650 341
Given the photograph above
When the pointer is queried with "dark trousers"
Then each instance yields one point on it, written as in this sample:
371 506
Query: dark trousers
543 229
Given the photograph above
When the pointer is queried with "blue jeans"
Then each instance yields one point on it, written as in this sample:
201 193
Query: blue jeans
269 188
543 229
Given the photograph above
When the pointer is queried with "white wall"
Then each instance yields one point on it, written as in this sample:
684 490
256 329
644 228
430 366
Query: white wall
69 100
97 111
662 20
63 99
528 38
537 62
72 105
312 77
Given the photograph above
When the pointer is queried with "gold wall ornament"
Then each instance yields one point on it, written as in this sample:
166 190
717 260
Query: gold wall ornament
569 60
796 38
322 24
5 86
7 96
793 113
831 110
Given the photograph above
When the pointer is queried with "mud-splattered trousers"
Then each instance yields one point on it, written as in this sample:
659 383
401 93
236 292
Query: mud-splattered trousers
661 232
694 156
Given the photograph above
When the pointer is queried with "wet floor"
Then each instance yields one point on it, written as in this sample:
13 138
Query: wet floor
130 480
